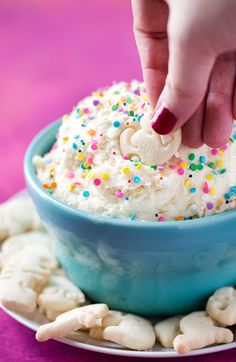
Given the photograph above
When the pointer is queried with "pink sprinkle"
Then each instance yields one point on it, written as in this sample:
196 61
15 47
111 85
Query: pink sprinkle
70 174
86 110
54 147
119 194
94 146
214 151
161 218
172 166
206 189
125 157
224 147
179 161
90 160
180 171
97 181
77 183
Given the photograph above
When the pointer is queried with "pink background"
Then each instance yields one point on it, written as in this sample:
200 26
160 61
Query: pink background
52 53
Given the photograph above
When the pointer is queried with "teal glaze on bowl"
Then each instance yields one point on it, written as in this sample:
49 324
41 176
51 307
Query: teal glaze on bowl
141 267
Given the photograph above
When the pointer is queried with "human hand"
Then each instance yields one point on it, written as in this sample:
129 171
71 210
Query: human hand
187 50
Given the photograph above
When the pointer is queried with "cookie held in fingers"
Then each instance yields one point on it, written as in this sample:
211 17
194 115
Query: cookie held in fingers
71 321
199 331
128 330
150 147
221 306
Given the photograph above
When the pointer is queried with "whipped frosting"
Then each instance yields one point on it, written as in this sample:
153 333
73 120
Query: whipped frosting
86 169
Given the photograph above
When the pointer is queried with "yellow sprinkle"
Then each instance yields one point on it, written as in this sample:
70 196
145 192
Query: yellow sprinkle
209 177
187 183
221 153
80 156
105 176
183 164
91 132
138 166
145 99
89 175
65 117
71 187
220 163
86 164
125 170
212 191
65 139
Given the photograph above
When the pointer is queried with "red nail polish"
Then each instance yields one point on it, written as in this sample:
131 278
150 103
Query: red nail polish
163 120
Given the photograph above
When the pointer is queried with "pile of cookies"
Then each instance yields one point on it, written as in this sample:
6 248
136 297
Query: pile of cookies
31 278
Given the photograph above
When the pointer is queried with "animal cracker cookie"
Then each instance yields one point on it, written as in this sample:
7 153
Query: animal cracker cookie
23 277
221 306
199 331
147 145
17 216
128 330
167 330
17 243
73 320
59 296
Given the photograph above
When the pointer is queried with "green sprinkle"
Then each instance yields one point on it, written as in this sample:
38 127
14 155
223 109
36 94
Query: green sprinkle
211 165
128 100
50 192
200 167
116 92
223 170
191 156
131 113
154 167
114 107
192 166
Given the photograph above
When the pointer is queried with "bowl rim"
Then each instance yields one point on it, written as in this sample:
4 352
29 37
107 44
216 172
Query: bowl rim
31 178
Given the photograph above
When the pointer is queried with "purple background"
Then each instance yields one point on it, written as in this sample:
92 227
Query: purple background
52 53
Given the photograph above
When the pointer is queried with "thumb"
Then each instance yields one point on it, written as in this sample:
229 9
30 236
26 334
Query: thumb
189 67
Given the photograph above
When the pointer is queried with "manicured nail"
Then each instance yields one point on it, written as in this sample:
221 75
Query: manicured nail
163 120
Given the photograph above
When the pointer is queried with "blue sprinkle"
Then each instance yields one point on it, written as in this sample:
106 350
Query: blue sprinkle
234 136
227 196
202 159
116 124
132 217
77 136
193 190
126 198
233 189
86 193
74 145
136 179
82 166
47 162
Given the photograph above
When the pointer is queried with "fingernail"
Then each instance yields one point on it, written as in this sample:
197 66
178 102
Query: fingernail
163 120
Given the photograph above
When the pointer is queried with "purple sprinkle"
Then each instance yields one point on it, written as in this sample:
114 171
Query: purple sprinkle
210 205
160 168
137 92
96 102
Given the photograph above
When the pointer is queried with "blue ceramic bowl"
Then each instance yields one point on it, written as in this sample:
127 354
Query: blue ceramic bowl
142 267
